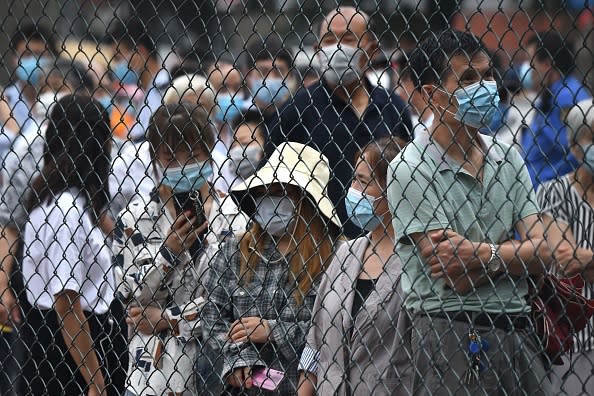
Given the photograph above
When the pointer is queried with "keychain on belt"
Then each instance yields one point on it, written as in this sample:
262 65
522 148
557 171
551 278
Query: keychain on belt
476 346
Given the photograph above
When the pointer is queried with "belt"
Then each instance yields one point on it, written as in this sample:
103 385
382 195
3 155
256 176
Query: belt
500 321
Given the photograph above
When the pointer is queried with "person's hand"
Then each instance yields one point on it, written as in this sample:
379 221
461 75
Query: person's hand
10 312
184 233
568 259
464 284
450 255
251 328
241 377
148 320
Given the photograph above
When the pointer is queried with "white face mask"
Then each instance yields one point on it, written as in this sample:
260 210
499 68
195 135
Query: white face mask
274 214
244 160
379 78
339 64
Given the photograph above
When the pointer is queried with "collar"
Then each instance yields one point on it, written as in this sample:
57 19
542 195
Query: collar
378 96
445 162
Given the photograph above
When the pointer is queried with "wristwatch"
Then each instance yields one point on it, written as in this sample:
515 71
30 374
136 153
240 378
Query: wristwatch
494 263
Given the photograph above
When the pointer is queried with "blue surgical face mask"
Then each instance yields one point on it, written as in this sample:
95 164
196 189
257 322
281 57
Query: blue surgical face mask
269 91
477 103
498 120
588 157
526 75
124 74
229 107
187 178
30 69
360 210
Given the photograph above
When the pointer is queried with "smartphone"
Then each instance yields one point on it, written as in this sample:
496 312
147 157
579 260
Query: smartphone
267 378
191 201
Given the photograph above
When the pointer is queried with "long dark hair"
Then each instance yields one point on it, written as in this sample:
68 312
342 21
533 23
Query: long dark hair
76 154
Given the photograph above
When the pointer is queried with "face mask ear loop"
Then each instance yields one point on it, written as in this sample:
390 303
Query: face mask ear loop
430 101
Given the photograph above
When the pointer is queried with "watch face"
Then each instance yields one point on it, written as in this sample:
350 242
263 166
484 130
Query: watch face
495 264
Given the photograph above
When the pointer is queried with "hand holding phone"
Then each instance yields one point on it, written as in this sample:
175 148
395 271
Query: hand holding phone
267 378
190 201
190 224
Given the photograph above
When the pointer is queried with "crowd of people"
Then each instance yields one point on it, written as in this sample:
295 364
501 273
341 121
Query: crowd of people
248 229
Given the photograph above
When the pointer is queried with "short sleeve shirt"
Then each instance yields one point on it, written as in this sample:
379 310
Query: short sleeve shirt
63 250
428 191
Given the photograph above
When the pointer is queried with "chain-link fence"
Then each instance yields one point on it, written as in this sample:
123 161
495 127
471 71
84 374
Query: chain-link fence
297 197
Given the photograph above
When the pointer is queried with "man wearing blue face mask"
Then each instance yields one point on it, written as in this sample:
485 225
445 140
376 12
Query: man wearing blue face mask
137 70
343 111
458 199
33 48
271 78
225 79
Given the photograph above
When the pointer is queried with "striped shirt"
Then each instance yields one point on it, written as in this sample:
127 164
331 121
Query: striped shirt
560 200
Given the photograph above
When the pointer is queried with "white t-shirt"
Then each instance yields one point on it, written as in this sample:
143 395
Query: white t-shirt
63 250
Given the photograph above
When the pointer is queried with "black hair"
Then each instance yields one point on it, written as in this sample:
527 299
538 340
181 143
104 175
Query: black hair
180 126
186 68
402 62
76 154
29 30
378 154
269 49
133 33
552 46
429 60
75 74
250 117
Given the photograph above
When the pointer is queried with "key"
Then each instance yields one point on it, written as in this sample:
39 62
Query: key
472 375
475 346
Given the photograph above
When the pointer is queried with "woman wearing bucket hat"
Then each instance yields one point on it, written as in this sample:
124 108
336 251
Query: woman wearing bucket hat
360 297
262 287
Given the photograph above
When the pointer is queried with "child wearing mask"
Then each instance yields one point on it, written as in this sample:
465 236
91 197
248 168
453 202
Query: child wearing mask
165 247
247 146
261 289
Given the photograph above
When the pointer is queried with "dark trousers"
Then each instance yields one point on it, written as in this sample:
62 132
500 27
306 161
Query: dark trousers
48 368
9 363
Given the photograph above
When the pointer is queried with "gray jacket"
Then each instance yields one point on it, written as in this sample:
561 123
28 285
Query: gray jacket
367 355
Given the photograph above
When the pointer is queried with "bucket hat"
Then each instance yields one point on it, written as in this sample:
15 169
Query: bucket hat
295 164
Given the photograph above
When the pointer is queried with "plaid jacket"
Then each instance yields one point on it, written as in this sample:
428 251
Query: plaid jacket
269 296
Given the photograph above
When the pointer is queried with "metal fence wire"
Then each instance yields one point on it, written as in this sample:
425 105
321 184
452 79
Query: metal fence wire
297 197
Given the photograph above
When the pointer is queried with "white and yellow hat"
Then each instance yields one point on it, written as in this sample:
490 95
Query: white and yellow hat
295 164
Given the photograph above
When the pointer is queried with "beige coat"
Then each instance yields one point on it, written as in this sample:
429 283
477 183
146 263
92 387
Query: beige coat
368 355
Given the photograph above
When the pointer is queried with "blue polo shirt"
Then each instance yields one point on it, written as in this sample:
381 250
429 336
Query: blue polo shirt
544 143
317 117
